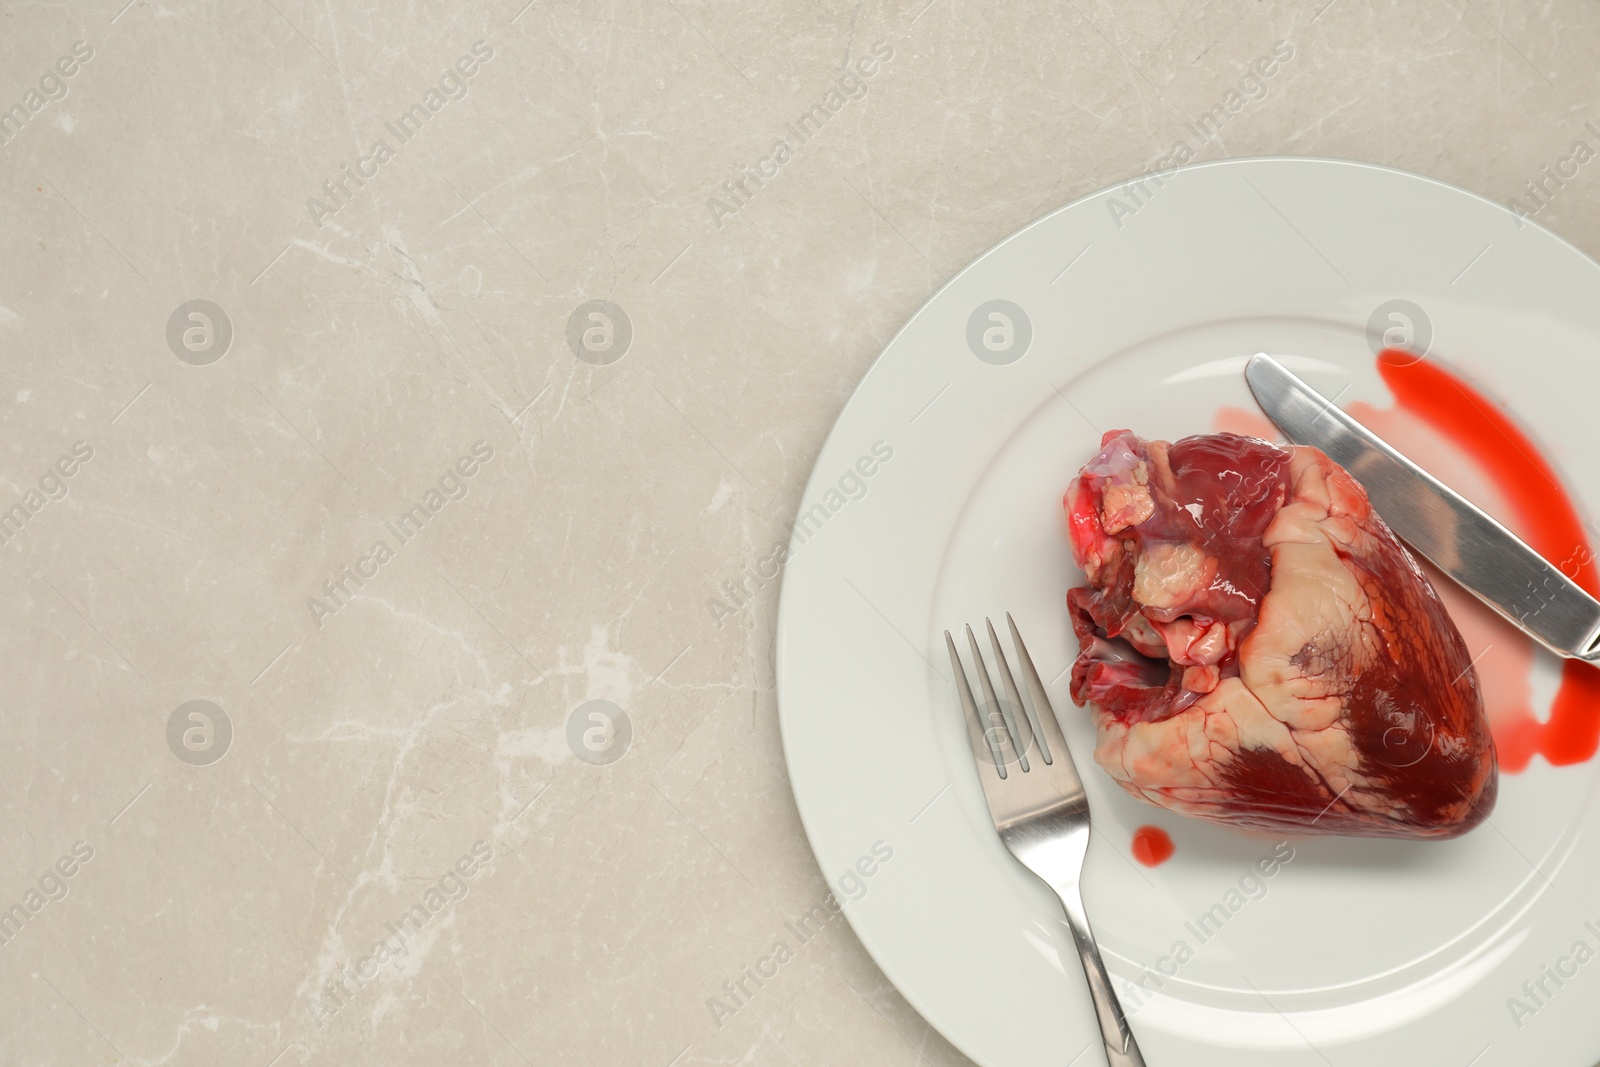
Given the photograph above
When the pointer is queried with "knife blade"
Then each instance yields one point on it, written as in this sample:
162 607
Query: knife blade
1487 559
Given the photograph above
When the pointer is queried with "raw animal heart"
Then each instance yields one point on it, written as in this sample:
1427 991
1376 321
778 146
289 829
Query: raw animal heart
1260 650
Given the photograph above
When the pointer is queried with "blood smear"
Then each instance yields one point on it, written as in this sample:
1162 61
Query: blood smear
1152 846
1541 513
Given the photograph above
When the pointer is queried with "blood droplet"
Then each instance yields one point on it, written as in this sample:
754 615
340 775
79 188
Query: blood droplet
1151 846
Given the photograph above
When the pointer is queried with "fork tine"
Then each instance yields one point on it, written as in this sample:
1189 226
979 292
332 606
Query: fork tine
990 769
1047 714
1025 723
999 716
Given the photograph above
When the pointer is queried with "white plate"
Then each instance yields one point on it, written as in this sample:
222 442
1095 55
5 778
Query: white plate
1354 952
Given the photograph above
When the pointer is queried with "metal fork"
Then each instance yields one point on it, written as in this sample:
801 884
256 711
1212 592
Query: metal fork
1039 807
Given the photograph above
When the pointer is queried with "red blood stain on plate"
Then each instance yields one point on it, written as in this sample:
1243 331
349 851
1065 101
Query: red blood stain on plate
1152 846
1466 440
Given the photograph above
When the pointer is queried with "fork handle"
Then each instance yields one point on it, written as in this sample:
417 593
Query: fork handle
1121 1049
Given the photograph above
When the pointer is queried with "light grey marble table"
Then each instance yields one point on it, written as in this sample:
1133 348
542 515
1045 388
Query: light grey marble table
394 396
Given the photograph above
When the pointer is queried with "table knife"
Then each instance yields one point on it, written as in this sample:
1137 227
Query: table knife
1487 559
